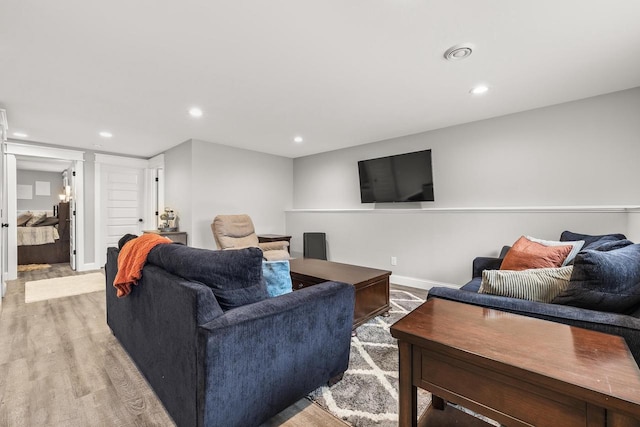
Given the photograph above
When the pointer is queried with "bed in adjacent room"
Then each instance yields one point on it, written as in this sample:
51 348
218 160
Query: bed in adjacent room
43 238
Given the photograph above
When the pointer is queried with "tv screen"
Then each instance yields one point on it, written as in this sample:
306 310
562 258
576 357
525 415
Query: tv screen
400 178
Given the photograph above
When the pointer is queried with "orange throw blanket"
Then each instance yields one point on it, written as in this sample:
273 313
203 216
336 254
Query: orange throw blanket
132 258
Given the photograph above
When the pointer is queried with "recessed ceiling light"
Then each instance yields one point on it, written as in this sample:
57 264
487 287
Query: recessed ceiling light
105 134
97 145
459 51
20 134
195 112
298 139
479 90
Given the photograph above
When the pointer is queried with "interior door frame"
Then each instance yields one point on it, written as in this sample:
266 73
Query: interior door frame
4 127
14 149
73 229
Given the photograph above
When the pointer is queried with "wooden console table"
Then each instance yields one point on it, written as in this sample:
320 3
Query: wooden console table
516 370
372 286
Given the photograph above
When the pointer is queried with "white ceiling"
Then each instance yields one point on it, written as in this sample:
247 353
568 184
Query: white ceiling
339 73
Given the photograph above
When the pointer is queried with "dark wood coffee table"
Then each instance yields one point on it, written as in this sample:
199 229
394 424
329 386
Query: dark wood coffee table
372 286
517 370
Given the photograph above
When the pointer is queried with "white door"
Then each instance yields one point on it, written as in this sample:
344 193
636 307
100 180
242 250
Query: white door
123 204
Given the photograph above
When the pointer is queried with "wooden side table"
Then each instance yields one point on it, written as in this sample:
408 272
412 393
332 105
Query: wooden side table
264 238
517 370
176 236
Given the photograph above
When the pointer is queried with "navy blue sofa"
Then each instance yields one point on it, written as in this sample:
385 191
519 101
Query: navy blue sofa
215 364
624 325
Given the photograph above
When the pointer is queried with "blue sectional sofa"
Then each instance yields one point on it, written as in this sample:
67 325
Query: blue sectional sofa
625 324
214 347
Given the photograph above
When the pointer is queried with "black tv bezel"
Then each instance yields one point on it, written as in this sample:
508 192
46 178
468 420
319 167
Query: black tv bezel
390 157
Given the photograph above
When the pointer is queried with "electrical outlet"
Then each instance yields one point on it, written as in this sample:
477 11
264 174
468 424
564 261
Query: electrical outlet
394 260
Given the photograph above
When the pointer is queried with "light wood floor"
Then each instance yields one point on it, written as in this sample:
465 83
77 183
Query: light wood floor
61 366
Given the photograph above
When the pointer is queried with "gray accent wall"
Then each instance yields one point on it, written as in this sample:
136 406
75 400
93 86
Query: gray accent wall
39 203
204 179
579 153
537 172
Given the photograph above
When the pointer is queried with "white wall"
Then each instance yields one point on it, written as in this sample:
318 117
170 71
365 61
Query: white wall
582 153
204 179
178 179
89 207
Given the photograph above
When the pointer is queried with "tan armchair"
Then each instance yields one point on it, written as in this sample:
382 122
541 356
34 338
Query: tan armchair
237 232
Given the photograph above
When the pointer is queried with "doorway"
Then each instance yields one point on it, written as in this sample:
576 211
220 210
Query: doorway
24 154
45 224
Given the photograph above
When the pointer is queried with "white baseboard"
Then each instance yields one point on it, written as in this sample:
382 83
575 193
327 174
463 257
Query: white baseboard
419 283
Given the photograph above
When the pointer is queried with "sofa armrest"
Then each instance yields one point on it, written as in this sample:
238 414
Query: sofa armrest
622 325
485 263
273 352
157 326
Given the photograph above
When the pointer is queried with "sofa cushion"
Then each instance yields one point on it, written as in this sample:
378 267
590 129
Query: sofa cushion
605 279
525 254
234 276
540 284
277 276
577 246
569 236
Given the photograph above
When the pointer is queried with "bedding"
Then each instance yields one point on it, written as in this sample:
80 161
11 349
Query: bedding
47 242
30 236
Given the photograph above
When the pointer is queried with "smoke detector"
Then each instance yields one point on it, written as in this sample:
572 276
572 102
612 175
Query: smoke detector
457 52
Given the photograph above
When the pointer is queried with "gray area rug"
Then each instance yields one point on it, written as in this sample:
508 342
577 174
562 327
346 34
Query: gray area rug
367 396
368 393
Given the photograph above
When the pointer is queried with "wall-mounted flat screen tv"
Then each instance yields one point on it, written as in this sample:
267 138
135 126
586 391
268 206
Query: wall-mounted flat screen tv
401 178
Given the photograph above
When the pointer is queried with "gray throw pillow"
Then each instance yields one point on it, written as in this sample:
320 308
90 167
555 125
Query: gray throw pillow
37 218
538 284
22 219
568 236
605 279
48 221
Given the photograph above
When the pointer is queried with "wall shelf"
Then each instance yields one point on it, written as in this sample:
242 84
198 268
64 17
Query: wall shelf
501 209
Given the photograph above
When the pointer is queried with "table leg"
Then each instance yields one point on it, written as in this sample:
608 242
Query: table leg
438 402
408 393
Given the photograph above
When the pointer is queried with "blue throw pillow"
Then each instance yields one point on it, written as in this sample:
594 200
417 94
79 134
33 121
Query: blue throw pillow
605 279
277 276
568 236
